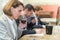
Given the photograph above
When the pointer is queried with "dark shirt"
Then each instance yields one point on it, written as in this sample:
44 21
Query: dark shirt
31 25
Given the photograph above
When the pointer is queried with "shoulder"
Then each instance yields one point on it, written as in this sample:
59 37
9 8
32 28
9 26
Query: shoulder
3 19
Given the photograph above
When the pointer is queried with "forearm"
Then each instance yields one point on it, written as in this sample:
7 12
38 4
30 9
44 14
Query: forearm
19 32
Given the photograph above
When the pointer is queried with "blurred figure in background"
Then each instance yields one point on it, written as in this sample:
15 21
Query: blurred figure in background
38 10
37 13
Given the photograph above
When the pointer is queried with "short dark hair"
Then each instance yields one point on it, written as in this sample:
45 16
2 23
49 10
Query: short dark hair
29 7
12 3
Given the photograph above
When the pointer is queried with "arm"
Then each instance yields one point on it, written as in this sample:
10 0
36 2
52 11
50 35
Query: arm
40 22
25 32
19 32
3 33
20 28
30 24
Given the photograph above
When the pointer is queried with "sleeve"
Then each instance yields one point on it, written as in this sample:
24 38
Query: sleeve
28 32
30 24
19 32
3 33
40 22
29 20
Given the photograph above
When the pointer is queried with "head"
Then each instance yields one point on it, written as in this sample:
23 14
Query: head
28 10
13 9
37 10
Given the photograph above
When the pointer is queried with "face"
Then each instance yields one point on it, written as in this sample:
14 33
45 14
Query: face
37 13
28 13
16 12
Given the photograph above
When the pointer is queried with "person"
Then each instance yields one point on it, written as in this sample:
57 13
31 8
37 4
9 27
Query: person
31 17
37 13
28 11
8 27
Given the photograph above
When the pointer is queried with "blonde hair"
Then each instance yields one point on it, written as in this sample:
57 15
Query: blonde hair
11 3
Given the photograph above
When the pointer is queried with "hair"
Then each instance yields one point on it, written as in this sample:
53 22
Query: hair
12 3
29 7
37 8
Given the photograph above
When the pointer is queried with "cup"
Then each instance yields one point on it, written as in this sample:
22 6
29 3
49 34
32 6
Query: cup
49 30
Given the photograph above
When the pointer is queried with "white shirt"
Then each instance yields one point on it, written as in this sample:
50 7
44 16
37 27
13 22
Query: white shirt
11 22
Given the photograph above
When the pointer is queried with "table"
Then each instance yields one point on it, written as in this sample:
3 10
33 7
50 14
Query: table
54 36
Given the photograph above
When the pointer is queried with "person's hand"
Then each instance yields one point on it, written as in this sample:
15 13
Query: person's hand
22 25
39 31
33 20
